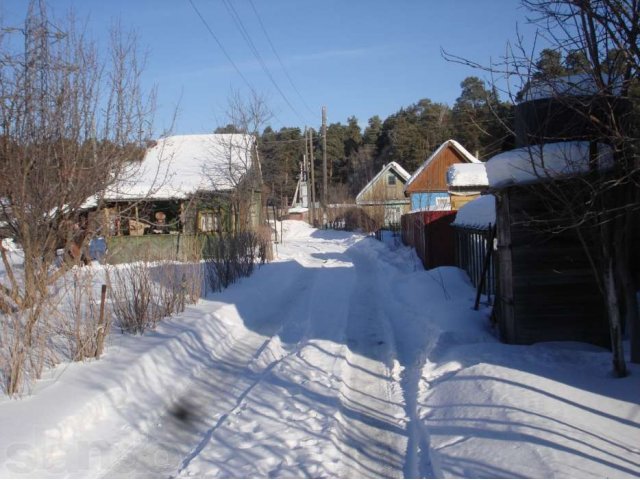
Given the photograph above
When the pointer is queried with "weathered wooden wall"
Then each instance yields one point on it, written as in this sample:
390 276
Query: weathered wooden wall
550 120
381 191
458 201
546 287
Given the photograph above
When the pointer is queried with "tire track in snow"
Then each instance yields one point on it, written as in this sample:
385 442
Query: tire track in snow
209 434
371 419
289 324
290 339
411 357
302 400
340 401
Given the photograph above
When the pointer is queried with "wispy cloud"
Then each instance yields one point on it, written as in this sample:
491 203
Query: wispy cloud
250 66
329 54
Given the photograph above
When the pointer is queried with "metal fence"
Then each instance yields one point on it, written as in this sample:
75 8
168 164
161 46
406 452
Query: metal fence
474 254
431 235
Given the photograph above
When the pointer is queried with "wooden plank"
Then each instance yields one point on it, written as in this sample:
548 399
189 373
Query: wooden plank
504 295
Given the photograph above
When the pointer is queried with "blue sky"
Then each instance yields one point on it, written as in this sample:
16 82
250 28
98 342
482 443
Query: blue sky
359 58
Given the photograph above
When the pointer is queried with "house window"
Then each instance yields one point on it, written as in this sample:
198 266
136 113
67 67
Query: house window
207 221
391 179
392 216
443 203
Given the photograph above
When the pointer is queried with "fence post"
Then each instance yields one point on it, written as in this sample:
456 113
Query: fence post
473 248
485 267
102 327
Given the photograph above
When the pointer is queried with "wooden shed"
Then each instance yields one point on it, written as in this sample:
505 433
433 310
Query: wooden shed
546 287
382 199
427 187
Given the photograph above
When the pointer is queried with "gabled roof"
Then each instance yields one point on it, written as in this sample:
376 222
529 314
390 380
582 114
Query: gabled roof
449 143
176 167
402 173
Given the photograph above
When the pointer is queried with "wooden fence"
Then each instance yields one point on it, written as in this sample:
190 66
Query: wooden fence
474 254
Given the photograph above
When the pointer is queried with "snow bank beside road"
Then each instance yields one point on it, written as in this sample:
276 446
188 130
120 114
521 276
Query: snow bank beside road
542 411
83 416
486 409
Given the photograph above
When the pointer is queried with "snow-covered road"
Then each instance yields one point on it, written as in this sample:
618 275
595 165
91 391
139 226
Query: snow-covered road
307 383
342 358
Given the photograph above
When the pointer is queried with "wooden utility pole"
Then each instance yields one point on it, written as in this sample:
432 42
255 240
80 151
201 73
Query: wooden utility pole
324 158
308 167
306 158
312 167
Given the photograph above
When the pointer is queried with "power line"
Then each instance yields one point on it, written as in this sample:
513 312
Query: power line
224 51
275 52
226 54
245 34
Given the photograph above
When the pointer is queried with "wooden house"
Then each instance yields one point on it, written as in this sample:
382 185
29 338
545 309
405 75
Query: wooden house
188 184
546 287
427 188
466 182
383 199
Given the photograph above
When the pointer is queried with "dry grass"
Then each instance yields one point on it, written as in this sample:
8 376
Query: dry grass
88 318
231 258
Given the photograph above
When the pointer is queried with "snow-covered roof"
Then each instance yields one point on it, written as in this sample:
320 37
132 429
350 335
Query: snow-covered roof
396 167
456 145
575 85
467 175
298 210
541 162
478 213
178 166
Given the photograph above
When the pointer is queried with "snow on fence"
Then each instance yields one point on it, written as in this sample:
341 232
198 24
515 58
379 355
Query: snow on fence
472 245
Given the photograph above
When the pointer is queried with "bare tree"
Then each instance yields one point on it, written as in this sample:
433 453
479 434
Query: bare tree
240 172
599 41
71 124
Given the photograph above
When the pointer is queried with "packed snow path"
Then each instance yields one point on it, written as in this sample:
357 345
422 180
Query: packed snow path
306 384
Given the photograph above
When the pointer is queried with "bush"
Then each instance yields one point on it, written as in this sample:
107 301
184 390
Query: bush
229 258
143 293
350 219
131 292
87 325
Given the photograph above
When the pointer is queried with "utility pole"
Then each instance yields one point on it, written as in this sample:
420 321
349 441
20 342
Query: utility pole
324 159
312 167
309 174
